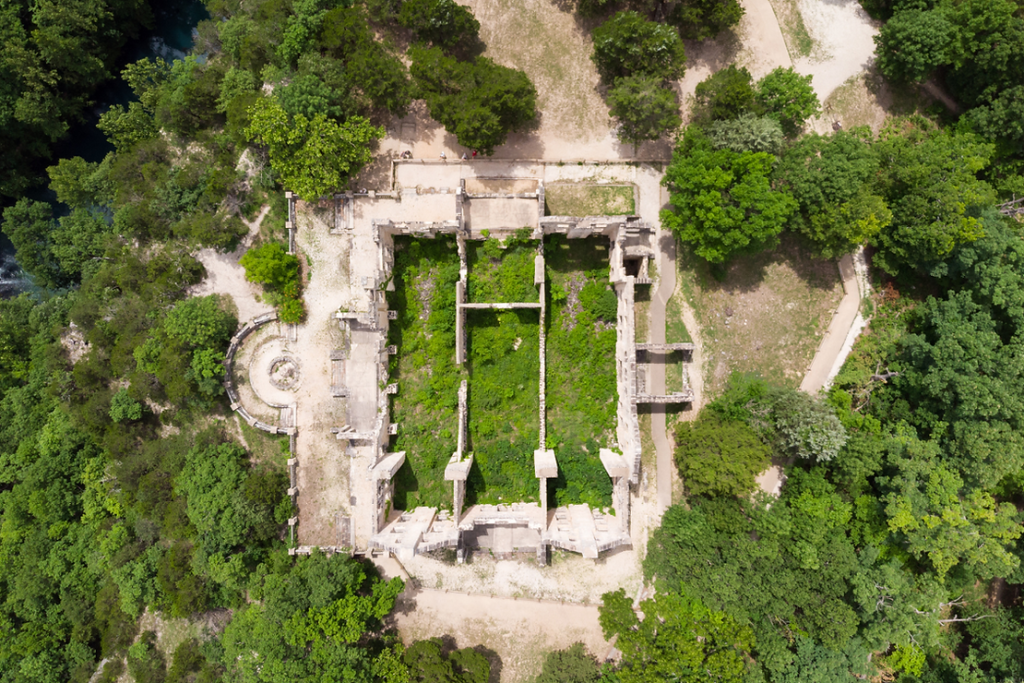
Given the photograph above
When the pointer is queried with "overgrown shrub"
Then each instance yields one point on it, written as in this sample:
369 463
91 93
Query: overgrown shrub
278 271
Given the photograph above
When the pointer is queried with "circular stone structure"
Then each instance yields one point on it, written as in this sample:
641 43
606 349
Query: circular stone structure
284 373
274 374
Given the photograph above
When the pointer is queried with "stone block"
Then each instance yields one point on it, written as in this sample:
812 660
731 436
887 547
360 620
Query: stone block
544 464
389 464
458 470
614 464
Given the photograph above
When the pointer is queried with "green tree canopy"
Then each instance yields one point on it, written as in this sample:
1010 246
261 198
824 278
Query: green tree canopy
480 102
442 22
788 97
269 264
722 201
644 109
805 426
630 45
700 19
679 639
719 457
726 94
913 44
829 176
317 617
748 133
571 665
200 322
944 525
124 408
930 181
429 663
298 147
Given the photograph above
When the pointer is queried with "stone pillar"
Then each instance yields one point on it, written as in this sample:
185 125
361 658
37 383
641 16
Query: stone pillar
458 497
544 498
457 471
544 467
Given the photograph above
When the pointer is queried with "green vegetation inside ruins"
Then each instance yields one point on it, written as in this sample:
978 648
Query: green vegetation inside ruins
501 271
581 393
584 199
503 354
503 369
504 403
426 407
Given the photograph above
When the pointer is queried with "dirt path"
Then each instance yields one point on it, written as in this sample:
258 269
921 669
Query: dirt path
224 275
838 330
656 370
518 632
843 34
764 48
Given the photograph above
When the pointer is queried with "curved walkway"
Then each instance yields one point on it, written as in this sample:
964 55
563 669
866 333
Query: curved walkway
839 329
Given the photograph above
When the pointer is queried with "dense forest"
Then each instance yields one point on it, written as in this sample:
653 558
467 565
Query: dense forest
895 547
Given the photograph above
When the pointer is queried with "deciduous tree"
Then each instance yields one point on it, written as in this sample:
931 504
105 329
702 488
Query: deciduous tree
700 19
788 97
480 102
630 45
722 201
313 156
719 457
726 94
679 639
913 44
644 108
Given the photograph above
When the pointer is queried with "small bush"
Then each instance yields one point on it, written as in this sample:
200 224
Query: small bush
145 661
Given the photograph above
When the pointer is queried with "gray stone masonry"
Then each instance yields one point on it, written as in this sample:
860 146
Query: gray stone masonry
666 348
502 306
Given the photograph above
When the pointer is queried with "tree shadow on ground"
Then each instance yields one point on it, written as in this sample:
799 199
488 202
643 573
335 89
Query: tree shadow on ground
746 273
494 659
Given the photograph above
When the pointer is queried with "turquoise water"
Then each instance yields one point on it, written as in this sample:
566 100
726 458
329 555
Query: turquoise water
172 37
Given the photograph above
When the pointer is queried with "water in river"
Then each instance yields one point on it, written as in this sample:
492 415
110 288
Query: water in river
171 38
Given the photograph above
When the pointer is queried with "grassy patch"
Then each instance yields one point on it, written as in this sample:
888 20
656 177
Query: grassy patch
426 405
581 388
503 370
641 312
674 368
675 328
503 354
675 332
799 42
648 454
766 316
583 199
504 404
263 447
502 273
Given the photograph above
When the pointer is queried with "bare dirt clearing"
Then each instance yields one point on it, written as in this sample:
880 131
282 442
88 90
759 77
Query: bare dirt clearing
866 99
224 275
766 316
842 35
518 633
